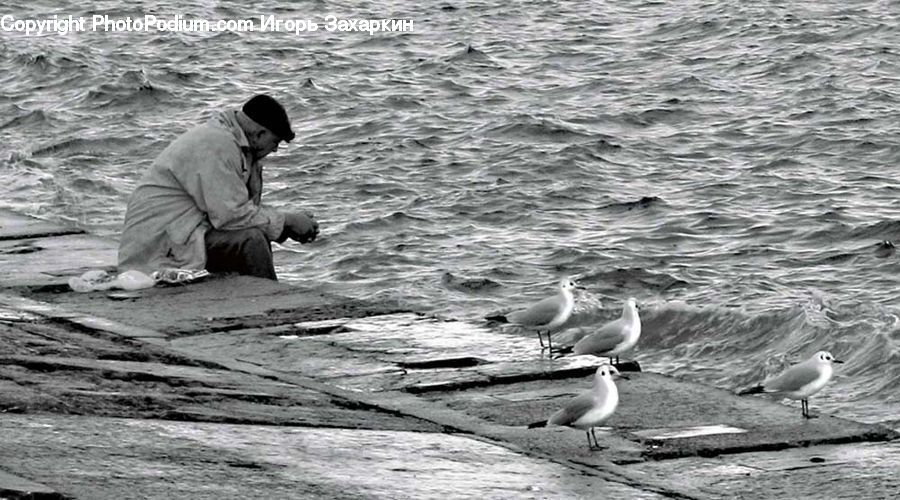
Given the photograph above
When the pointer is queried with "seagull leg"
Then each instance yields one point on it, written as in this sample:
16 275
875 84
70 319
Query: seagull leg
541 340
562 351
549 342
806 414
596 445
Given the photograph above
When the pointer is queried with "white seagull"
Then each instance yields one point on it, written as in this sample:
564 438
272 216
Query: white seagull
544 316
800 381
614 337
591 408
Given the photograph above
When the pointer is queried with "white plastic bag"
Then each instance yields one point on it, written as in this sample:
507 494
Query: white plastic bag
95 280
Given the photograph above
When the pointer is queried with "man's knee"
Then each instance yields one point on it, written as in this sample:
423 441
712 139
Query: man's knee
256 238
252 237
245 251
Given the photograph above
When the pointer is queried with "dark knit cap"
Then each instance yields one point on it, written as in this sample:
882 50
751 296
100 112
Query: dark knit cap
267 112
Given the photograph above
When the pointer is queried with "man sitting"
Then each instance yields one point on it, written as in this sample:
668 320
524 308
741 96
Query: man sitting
199 204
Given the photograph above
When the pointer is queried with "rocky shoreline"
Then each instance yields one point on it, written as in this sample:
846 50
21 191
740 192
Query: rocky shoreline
236 387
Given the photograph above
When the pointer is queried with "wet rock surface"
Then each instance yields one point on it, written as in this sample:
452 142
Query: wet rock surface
235 387
134 458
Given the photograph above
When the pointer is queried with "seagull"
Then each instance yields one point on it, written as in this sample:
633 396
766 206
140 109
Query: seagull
591 408
800 381
614 337
544 316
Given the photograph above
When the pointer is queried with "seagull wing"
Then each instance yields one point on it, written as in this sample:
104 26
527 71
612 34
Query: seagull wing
571 336
575 409
792 379
538 314
603 340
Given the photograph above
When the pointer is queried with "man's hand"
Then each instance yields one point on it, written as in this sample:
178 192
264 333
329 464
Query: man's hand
300 227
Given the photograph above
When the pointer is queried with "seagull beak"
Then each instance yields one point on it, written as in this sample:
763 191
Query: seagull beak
622 376
836 361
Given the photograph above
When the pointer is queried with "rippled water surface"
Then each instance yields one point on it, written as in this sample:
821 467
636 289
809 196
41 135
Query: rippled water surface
731 164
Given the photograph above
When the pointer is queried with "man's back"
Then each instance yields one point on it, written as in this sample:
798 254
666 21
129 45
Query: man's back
164 211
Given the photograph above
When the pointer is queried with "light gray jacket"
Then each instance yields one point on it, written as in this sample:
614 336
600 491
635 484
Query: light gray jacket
205 178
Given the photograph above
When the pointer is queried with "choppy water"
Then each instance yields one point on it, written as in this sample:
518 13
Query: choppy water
731 164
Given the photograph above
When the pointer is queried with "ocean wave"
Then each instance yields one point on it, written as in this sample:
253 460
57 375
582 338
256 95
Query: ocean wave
882 230
392 221
49 63
472 54
109 96
28 119
132 89
634 280
41 61
80 145
644 202
595 150
384 189
86 186
527 127
374 263
716 332
468 285
748 347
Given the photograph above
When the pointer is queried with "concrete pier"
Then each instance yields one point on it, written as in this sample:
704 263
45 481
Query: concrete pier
235 387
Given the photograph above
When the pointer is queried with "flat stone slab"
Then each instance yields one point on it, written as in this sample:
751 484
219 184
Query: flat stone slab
46 368
862 470
128 370
52 261
17 488
117 459
14 226
402 351
218 303
667 417
513 385
36 384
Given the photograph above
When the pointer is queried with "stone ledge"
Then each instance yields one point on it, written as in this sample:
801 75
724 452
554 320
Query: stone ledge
17 488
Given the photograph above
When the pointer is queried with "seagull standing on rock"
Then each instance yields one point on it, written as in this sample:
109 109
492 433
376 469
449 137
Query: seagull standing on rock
800 381
545 316
614 337
589 409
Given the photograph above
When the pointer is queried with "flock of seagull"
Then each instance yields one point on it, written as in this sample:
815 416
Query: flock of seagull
592 408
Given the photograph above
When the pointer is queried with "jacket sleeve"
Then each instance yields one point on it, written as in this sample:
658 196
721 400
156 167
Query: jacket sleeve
211 175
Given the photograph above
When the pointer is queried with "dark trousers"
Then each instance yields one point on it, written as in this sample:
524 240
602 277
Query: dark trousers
244 251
